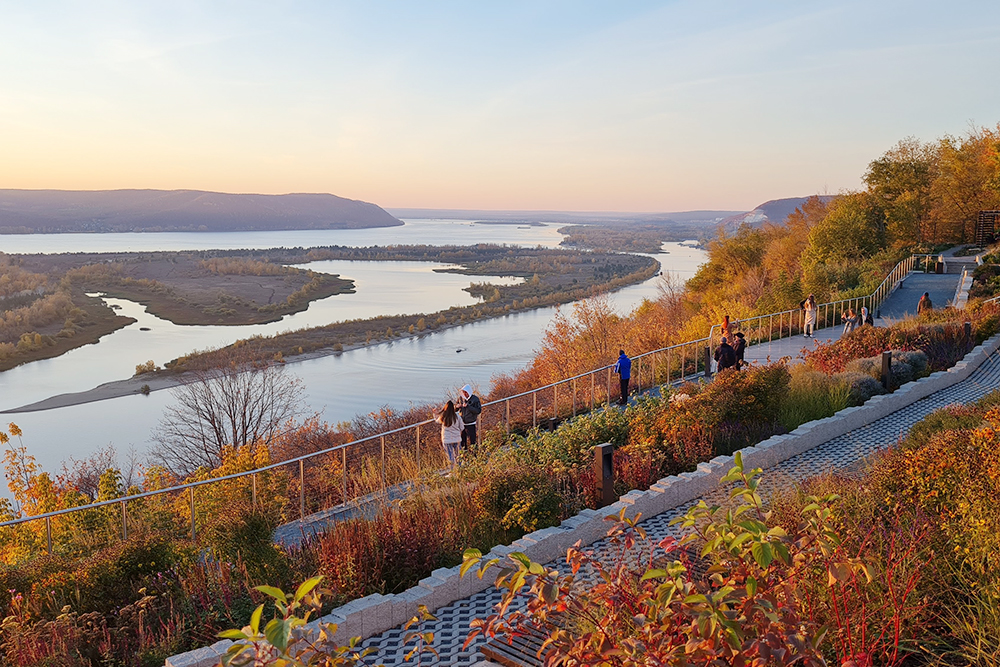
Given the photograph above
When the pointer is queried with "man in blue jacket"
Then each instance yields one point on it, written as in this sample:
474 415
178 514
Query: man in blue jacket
624 369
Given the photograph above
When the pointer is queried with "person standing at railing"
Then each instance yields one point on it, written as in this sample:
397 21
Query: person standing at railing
451 431
925 305
725 356
624 369
809 305
850 320
727 327
739 347
469 406
866 317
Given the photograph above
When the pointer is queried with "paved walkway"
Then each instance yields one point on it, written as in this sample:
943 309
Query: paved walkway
903 302
452 626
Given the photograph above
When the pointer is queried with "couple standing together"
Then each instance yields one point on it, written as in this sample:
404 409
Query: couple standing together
458 423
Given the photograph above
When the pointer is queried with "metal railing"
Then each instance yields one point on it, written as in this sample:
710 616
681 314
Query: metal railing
564 398
761 328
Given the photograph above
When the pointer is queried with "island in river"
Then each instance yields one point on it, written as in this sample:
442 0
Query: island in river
42 295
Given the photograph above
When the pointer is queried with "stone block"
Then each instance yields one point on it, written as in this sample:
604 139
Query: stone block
545 545
376 615
405 605
202 657
442 587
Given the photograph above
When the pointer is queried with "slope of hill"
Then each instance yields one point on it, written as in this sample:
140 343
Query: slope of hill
571 217
60 211
775 211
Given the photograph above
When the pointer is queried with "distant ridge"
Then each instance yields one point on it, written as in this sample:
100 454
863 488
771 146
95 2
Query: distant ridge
62 211
775 211
563 217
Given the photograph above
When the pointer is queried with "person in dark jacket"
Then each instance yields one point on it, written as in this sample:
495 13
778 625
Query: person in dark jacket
469 406
624 369
725 357
924 305
739 347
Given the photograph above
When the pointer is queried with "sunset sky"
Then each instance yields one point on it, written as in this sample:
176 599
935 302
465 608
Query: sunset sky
575 105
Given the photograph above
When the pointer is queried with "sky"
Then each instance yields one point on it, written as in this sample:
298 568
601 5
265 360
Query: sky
565 105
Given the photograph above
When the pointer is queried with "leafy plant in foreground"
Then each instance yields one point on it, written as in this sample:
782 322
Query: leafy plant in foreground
648 605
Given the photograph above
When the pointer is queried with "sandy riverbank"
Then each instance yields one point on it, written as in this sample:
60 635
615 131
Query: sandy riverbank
167 380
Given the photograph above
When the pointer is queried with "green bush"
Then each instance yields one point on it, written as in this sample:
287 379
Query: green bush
813 395
521 498
246 534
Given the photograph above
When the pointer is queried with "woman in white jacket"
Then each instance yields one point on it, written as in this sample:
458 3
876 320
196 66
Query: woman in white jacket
451 431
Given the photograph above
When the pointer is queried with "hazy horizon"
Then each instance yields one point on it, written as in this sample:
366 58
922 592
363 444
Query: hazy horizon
559 106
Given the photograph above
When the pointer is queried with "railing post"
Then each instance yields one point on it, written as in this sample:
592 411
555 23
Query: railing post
534 409
48 534
418 442
302 489
382 440
507 415
609 386
708 361
193 533
555 401
668 367
574 397
343 466
124 522
593 391
253 492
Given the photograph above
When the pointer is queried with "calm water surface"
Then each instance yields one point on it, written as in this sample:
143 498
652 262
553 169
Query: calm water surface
397 374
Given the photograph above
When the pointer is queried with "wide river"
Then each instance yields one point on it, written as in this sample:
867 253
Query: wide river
397 374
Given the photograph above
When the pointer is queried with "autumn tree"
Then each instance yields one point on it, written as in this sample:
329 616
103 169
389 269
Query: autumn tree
967 182
901 182
241 405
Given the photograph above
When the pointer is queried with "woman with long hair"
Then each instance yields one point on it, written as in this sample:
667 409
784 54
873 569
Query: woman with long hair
451 431
809 305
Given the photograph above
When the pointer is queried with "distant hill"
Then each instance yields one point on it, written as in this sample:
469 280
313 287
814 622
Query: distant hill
775 211
61 211
563 217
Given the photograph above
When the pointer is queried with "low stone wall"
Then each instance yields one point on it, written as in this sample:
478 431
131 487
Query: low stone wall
375 614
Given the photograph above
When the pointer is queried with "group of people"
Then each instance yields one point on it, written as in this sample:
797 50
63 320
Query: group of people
854 320
730 354
458 423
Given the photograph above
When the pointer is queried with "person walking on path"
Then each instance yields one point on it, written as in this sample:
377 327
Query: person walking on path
866 317
624 369
925 305
451 431
739 347
725 356
469 407
809 305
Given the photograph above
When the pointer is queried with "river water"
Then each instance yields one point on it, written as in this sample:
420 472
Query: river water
398 374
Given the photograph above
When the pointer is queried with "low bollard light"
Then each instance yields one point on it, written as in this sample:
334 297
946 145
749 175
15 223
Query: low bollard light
604 473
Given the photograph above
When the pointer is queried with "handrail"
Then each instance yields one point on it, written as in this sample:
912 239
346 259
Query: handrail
872 301
877 297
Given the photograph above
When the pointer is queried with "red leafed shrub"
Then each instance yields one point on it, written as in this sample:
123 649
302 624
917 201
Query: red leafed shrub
861 343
